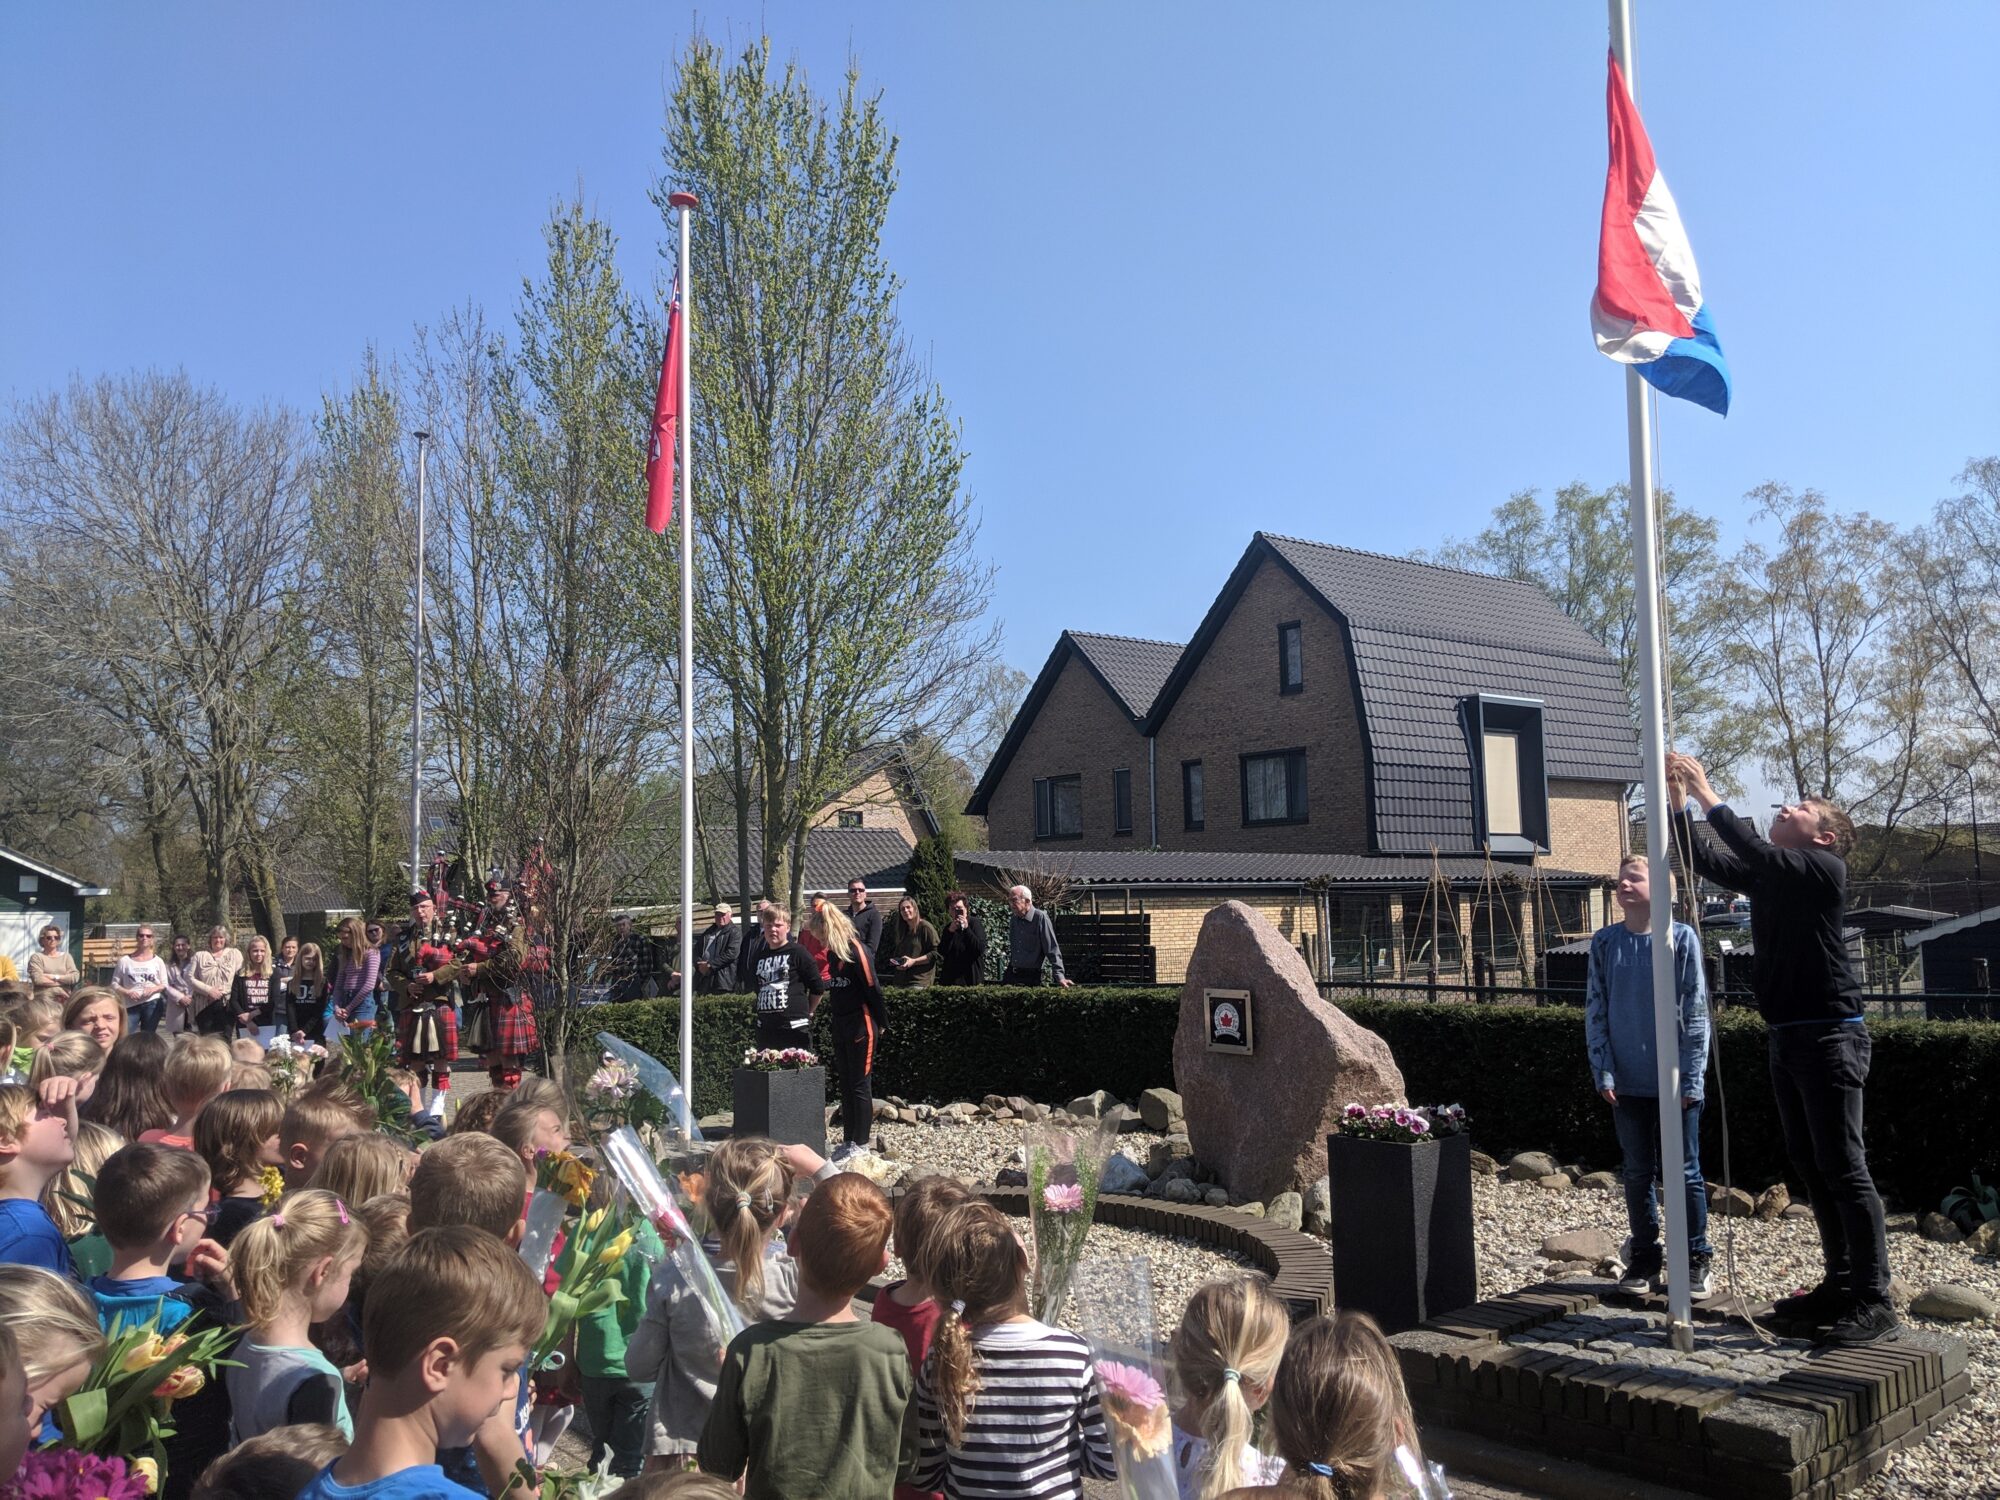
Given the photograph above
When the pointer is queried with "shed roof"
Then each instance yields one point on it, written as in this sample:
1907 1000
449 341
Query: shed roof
1956 924
49 872
1203 867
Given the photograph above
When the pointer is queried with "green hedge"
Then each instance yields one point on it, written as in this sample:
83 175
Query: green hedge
1519 1071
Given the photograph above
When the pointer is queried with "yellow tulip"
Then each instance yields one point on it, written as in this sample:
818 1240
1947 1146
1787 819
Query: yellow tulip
148 1351
593 1219
149 1471
614 1252
183 1382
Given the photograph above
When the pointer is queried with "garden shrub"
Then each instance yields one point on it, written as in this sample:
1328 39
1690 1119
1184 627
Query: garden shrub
1520 1071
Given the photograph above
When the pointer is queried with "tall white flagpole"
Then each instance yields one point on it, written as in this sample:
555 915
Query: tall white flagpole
687 203
417 880
1659 818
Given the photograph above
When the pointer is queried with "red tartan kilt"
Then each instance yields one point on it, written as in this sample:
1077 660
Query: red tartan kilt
447 1030
511 1019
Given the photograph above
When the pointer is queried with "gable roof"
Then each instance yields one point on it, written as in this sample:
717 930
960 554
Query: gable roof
1422 640
1130 669
50 872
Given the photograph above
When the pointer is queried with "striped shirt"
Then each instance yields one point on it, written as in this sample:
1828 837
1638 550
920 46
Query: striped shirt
1035 1428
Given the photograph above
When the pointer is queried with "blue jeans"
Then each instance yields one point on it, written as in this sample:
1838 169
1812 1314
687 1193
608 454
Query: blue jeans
145 1016
1638 1124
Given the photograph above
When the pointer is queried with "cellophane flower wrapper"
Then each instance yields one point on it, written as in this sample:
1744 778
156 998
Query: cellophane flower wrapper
538 1240
624 1081
1426 1480
1064 1165
1114 1305
627 1158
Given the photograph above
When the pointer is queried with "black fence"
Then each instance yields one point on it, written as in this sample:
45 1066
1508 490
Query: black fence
1108 948
1914 1007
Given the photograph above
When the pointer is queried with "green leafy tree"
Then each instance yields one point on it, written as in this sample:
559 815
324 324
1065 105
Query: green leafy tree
839 595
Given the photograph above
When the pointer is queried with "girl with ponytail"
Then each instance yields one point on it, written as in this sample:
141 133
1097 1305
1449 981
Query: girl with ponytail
1005 1405
1339 1412
291 1270
1226 1355
676 1349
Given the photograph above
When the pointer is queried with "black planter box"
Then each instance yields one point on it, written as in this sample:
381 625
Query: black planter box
789 1106
1402 1228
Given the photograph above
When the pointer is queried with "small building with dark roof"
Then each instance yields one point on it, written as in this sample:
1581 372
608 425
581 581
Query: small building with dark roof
1961 955
32 895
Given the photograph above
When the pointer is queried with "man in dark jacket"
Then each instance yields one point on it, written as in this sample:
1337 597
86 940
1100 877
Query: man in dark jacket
716 958
1818 1043
867 921
631 963
962 944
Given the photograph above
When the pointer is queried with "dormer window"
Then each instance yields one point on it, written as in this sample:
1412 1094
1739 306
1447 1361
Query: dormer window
1511 782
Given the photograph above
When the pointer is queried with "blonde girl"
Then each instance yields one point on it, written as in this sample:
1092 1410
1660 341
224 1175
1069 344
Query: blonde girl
1226 1355
675 1348
989 1362
55 1328
28 1023
237 1135
68 1196
1339 1412
253 993
291 1270
72 1058
97 1013
356 1168
353 987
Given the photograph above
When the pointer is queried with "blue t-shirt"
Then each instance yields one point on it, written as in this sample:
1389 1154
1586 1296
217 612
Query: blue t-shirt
137 1301
426 1482
29 1237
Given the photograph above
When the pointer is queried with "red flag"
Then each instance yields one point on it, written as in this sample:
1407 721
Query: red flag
666 414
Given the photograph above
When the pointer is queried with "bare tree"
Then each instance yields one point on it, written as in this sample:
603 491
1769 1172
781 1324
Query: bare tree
839 595
160 522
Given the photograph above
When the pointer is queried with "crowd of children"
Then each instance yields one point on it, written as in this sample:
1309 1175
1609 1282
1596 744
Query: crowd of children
382 1315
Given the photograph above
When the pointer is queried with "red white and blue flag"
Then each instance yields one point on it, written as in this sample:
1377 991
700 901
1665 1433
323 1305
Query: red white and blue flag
1648 309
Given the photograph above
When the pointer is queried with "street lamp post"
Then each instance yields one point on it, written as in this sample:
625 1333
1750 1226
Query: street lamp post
417 683
1972 800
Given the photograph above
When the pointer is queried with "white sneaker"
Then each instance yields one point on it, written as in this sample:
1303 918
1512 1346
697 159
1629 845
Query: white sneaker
844 1151
1701 1278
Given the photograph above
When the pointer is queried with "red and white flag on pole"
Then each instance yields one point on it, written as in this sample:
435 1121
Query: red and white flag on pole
666 416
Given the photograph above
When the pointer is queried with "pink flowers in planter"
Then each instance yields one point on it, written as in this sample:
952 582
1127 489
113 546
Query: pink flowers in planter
1403 1124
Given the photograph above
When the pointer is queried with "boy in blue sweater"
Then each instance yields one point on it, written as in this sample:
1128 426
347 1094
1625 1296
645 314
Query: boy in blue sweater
1618 1025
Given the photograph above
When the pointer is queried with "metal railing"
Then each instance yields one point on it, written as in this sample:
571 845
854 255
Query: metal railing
1983 1006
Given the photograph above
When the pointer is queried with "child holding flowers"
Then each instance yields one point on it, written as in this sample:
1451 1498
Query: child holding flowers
292 1270
1005 1405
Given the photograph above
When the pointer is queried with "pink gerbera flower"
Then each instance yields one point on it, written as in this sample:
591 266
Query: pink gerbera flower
1130 1382
1063 1197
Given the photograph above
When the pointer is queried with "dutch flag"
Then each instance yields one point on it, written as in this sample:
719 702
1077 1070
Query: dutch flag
1648 310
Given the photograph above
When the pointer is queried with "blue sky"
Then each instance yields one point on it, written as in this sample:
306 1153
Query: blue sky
1184 271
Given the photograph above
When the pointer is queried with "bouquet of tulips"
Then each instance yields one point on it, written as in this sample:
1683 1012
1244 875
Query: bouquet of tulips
125 1406
1063 1169
587 1277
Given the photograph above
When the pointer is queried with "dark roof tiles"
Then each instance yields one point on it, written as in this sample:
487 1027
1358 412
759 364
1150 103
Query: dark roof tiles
1223 867
1135 669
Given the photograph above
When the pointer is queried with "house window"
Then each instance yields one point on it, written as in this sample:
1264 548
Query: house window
1121 801
1503 782
1509 777
1059 807
1291 658
850 820
1193 807
1274 788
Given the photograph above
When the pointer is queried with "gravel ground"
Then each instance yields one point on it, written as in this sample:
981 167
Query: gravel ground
1774 1260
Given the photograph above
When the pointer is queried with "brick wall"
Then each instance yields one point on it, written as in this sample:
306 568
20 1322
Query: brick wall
880 800
1081 730
1587 826
1177 918
1232 706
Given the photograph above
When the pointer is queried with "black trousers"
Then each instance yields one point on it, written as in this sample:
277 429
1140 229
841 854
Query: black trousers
615 1412
1022 976
854 1054
1817 1074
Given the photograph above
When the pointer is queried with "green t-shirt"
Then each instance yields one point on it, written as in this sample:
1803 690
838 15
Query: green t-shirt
837 1433
601 1336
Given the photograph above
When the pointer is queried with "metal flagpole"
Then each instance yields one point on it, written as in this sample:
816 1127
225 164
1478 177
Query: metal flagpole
1659 818
687 203
417 687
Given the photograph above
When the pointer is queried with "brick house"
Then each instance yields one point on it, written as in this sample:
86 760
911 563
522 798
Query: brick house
1427 763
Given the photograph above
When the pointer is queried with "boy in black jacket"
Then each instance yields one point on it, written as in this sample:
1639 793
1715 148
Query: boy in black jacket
1819 1046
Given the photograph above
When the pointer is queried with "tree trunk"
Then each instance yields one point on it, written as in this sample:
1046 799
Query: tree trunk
741 788
260 884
